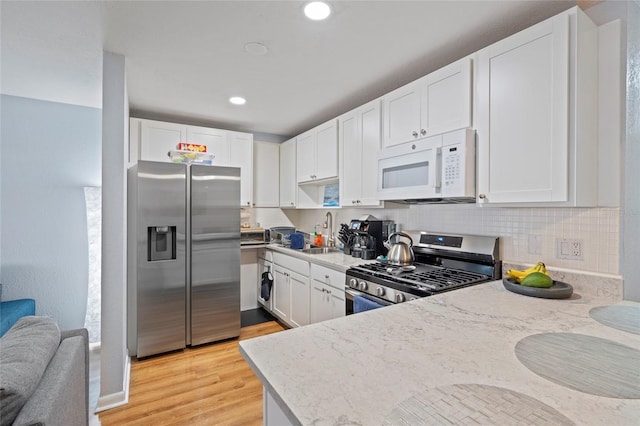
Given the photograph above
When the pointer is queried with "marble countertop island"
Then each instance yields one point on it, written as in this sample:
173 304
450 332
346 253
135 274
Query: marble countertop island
366 368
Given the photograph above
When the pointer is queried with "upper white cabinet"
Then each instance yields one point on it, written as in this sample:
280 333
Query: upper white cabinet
157 138
266 182
359 141
241 155
317 153
536 115
436 103
288 183
215 140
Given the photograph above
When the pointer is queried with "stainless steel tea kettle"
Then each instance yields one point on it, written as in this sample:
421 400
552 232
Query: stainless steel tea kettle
400 253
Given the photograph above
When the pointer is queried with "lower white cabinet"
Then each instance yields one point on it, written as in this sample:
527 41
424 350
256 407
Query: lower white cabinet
290 289
299 286
327 298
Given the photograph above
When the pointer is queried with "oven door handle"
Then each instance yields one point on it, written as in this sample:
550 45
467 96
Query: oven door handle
351 293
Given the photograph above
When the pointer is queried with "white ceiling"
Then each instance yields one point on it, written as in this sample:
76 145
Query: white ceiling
185 59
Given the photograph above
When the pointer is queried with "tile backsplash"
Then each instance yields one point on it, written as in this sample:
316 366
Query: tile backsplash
598 228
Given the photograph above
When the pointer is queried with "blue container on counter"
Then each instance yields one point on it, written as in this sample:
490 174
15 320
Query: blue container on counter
297 240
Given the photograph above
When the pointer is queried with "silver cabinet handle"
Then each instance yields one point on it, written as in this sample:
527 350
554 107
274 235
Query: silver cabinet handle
414 134
423 132
482 197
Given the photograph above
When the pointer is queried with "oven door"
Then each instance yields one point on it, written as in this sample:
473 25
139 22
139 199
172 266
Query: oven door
357 301
411 170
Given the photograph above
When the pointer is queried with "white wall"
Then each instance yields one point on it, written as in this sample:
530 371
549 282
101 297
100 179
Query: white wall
114 362
50 152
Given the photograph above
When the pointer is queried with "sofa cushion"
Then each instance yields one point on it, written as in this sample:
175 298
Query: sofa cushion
25 352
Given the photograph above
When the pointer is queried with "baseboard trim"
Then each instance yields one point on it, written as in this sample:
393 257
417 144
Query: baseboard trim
117 399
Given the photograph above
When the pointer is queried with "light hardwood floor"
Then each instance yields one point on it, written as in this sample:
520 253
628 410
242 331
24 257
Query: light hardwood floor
207 385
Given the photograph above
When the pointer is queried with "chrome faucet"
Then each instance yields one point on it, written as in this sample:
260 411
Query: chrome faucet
329 224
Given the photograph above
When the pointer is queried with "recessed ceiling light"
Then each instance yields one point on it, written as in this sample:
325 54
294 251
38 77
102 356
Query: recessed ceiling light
317 10
255 48
237 100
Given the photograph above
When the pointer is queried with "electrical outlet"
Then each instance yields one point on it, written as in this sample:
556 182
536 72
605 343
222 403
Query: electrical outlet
570 249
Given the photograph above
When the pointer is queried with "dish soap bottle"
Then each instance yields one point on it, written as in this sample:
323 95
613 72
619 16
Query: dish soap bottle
317 237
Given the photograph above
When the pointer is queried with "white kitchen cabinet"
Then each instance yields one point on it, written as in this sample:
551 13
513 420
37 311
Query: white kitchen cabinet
241 155
214 139
157 138
359 141
536 115
291 289
299 285
266 179
134 141
317 153
288 183
436 103
281 293
327 298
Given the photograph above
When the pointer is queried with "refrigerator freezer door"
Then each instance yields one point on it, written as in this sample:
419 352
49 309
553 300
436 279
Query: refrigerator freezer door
161 283
215 253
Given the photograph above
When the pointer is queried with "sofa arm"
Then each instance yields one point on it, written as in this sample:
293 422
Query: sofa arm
62 397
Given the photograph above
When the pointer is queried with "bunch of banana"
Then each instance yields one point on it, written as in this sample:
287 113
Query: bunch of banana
518 276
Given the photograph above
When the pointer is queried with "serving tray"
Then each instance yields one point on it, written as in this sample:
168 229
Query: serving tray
558 290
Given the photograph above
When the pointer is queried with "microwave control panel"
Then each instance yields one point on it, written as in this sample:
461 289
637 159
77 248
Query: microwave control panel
458 165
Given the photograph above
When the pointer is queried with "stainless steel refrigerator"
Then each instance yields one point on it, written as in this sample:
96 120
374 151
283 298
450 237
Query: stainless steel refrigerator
184 256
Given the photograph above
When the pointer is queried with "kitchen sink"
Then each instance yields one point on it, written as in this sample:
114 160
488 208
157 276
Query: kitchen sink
321 250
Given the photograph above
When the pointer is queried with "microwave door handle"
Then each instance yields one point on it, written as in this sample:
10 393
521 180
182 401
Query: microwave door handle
437 172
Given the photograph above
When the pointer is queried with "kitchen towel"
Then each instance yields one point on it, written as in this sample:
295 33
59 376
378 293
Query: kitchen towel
361 304
265 287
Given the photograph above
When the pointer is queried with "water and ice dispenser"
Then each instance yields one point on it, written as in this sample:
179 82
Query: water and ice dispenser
161 243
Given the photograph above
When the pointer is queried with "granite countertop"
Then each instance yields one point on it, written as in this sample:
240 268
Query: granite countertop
338 260
360 368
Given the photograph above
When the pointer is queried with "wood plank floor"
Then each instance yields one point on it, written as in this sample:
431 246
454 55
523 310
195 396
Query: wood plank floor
208 385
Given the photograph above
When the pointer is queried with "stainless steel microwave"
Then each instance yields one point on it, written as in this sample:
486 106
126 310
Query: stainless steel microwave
439 168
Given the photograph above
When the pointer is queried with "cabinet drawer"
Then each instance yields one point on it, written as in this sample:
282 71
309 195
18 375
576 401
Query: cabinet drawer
292 263
328 276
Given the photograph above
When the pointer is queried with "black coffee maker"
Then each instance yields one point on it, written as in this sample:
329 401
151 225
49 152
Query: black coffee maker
378 229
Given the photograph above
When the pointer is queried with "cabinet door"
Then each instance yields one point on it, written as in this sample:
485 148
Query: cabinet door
157 138
370 134
299 299
306 157
351 159
241 155
288 183
401 109
327 150
320 304
446 99
266 183
215 141
337 303
281 293
523 116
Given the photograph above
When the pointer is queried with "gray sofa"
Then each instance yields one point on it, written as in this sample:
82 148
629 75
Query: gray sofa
44 374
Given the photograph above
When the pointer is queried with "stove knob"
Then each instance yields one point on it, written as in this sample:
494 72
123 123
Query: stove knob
400 298
363 285
380 291
353 283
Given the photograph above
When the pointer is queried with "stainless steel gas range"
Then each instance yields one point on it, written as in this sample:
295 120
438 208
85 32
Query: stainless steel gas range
443 262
